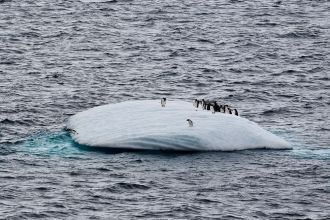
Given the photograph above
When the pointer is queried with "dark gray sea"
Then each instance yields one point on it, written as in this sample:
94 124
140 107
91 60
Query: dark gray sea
269 59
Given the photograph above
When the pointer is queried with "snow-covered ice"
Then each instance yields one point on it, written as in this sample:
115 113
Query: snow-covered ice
147 125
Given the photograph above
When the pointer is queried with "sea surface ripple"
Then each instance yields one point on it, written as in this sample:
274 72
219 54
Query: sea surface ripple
269 59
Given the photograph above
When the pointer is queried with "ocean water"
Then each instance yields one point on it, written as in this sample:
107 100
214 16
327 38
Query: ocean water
268 59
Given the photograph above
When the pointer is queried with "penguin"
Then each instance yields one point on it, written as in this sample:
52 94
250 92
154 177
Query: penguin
225 109
216 107
235 112
203 104
199 103
163 102
196 102
221 109
229 111
212 109
190 123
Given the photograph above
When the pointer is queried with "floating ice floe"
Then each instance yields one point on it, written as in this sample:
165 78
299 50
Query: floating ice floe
149 126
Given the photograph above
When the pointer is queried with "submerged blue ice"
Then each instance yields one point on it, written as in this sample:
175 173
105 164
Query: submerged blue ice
147 125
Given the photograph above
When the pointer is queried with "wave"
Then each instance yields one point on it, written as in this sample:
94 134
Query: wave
275 111
14 122
320 154
301 34
50 143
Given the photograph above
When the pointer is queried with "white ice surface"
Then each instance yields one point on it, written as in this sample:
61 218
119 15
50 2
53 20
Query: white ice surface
147 125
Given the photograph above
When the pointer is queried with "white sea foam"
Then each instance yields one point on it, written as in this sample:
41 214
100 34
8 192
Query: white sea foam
147 125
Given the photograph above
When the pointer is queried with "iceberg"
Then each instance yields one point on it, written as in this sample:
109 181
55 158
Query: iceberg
146 125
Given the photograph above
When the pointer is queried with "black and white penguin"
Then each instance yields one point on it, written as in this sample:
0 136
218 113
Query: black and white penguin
212 109
235 112
199 103
225 109
216 107
196 103
208 106
190 122
230 111
203 104
221 109
163 102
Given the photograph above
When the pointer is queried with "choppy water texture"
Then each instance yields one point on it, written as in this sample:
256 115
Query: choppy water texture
269 59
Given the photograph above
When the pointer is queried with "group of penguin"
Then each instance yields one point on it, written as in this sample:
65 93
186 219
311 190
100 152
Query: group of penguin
207 105
214 107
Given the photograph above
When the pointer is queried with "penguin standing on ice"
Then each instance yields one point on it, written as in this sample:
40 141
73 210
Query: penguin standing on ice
235 112
216 107
190 122
163 102
212 109
208 106
221 108
203 104
225 109
196 103
200 103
